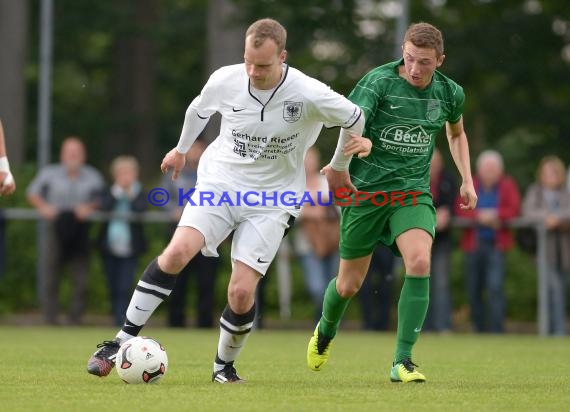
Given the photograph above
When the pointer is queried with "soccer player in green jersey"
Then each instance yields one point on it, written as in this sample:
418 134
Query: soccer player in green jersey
406 103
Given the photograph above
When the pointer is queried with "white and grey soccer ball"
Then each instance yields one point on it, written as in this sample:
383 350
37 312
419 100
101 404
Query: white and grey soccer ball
141 360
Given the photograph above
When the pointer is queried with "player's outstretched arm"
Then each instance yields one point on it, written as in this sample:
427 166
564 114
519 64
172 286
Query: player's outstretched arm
350 142
459 148
7 183
191 129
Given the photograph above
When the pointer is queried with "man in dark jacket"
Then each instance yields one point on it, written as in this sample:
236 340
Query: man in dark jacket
122 241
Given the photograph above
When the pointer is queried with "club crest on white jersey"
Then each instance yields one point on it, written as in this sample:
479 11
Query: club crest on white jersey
292 111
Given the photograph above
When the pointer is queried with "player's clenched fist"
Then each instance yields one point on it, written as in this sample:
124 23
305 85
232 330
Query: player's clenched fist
468 195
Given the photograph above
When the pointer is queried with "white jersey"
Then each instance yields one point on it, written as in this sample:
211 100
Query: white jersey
262 143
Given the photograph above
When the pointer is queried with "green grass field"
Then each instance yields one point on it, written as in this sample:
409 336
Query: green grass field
43 369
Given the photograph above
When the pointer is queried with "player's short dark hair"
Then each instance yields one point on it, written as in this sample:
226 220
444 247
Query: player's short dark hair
264 29
425 35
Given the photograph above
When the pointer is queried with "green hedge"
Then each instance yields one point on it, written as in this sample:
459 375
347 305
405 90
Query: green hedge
18 285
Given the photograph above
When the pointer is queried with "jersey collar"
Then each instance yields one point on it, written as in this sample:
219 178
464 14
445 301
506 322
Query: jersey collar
286 70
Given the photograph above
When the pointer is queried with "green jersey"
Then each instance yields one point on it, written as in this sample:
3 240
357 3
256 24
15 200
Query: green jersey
402 122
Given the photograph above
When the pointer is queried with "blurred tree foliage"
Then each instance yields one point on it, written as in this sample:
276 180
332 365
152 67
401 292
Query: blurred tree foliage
123 75
512 57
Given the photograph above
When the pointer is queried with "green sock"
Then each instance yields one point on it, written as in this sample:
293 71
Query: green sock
412 309
334 306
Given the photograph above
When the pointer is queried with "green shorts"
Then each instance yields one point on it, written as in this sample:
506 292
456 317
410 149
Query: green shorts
363 227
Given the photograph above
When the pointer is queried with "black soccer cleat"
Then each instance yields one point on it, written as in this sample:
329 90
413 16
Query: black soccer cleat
102 361
227 375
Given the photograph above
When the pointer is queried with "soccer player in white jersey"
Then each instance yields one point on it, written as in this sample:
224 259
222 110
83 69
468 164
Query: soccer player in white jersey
271 114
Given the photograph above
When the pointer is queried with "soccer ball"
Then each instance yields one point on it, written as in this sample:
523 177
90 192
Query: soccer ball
141 360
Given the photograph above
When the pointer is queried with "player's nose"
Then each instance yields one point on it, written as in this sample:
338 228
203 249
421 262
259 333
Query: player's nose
414 69
252 72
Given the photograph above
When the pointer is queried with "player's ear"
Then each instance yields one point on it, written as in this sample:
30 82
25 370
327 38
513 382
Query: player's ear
440 60
283 56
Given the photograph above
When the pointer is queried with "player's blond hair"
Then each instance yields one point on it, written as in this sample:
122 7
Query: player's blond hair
424 35
264 29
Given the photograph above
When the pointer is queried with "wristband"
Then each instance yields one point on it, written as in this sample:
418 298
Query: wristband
340 165
4 165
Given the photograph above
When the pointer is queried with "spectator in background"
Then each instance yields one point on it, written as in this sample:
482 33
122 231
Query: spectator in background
317 236
122 241
443 188
486 242
376 290
65 194
205 269
548 201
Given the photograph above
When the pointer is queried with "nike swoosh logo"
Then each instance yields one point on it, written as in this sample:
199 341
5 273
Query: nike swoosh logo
318 366
417 330
142 310
261 261
237 110
395 107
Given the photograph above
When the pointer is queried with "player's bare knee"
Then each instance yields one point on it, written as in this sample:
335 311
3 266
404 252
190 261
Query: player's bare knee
240 298
349 281
418 264
173 258
348 289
